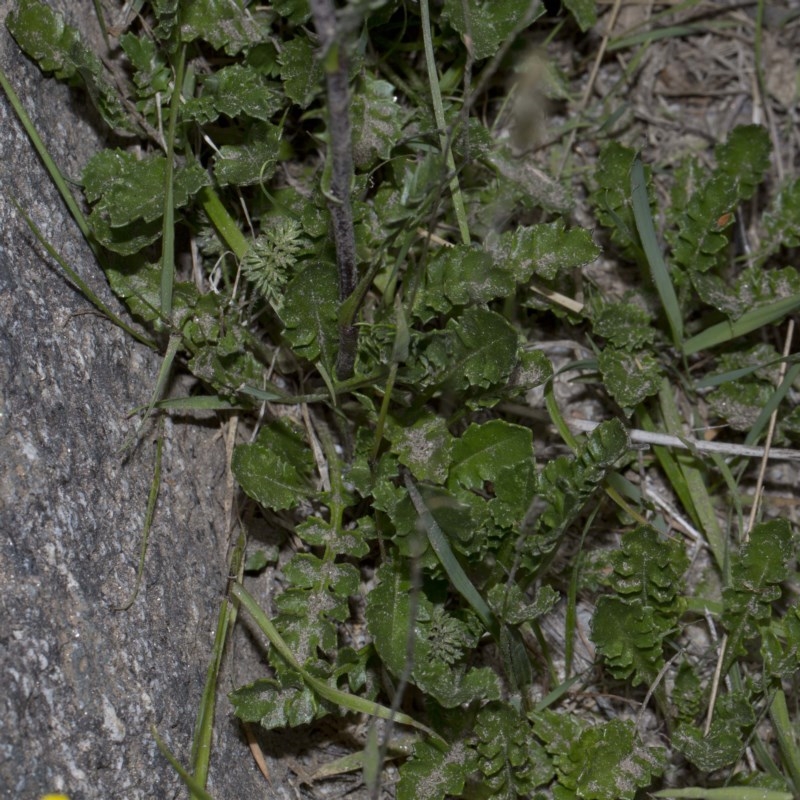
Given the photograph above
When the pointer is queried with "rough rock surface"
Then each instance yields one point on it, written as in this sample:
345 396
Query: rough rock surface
82 684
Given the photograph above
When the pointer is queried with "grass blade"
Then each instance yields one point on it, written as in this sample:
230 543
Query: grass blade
786 736
198 792
658 267
82 286
774 401
695 491
348 701
49 164
168 229
454 570
201 747
724 793
441 124
152 498
749 321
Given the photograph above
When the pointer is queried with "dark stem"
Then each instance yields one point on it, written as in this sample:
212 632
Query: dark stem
334 59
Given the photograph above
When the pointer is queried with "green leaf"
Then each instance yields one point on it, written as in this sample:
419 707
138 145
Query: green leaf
151 71
514 607
454 687
610 762
780 645
455 572
463 275
456 516
258 560
611 196
377 120
483 451
434 670
650 568
388 615
319 533
725 742
700 240
558 731
749 321
329 693
166 12
424 447
225 24
565 485
308 620
629 636
487 24
272 470
781 221
584 11
514 490
546 250
311 313
477 349
533 369
626 326
741 164
301 72
629 378
739 403
512 764
307 571
235 91
228 363
744 157
272 257
251 162
139 286
756 577
58 48
125 189
433 774
295 11
660 273
277 704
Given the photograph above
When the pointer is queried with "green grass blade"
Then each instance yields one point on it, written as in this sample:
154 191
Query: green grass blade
204 728
351 702
198 792
695 486
785 733
82 286
211 402
724 793
452 567
557 418
750 321
648 37
658 267
224 224
774 401
152 498
441 124
162 382
168 229
736 374
49 164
